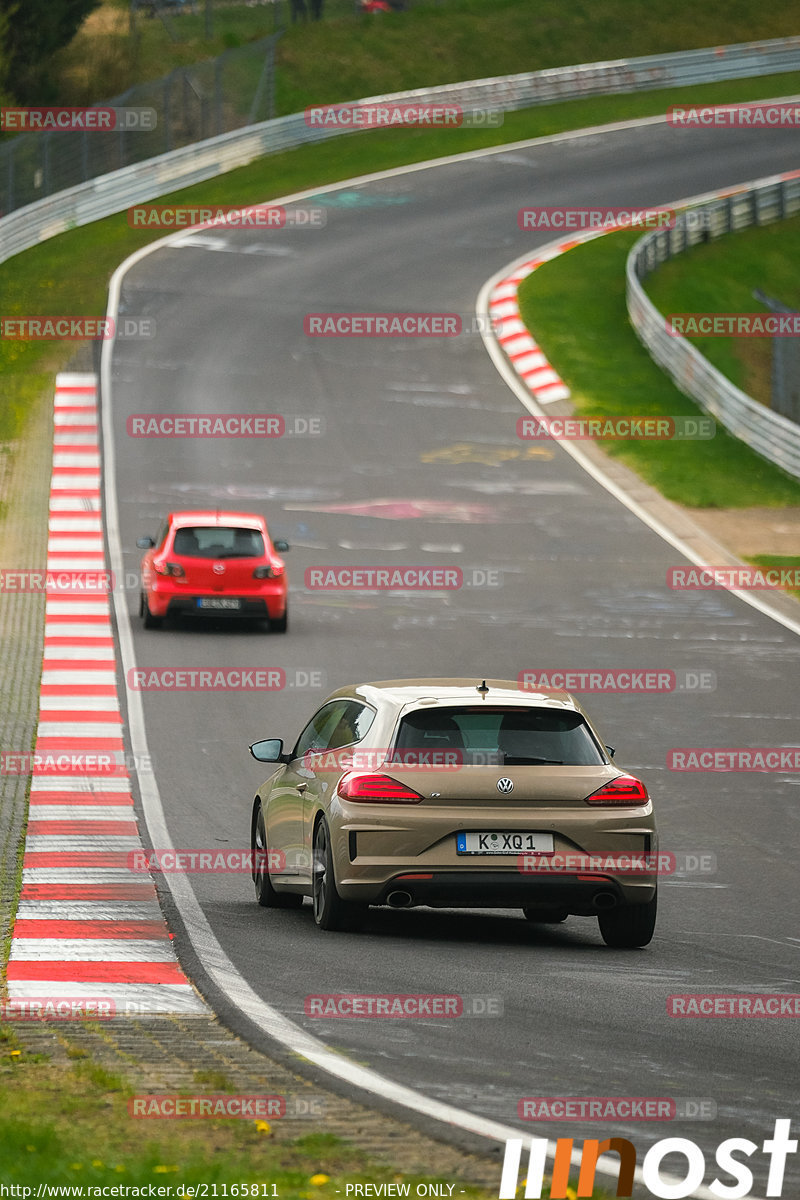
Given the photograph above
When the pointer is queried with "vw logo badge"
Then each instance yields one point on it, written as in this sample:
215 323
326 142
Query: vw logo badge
219 568
505 785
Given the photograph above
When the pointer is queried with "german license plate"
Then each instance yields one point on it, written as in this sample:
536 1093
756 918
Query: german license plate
229 603
504 843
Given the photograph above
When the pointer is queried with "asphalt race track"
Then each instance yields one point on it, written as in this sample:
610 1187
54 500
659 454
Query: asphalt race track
583 585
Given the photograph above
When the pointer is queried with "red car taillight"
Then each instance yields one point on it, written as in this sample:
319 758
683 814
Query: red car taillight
267 572
169 568
625 789
376 789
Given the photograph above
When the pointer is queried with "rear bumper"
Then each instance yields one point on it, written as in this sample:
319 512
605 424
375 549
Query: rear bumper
507 889
264 604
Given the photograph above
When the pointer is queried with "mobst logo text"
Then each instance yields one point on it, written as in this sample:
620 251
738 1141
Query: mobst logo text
668 1186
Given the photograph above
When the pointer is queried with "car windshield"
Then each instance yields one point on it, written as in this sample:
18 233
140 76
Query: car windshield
498 736
218 541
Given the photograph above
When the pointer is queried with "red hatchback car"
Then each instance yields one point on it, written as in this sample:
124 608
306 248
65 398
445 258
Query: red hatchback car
213 564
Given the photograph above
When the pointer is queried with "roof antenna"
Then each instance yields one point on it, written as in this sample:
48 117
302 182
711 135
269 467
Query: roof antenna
483 689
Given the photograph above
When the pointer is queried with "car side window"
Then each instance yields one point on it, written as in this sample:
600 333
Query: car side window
316 735
353 725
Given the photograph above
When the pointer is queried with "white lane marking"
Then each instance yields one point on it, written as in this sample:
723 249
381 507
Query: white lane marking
77 607
81 812
89 910
80 783
131 998
86 876
211 954
66 949
78 703
53 675
84 653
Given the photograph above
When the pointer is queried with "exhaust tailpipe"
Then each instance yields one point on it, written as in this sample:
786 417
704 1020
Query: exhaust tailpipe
399 899
604 900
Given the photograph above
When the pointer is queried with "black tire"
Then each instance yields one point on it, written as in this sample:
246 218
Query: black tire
280 624
330 910
149 621
266 895
628 926
544 916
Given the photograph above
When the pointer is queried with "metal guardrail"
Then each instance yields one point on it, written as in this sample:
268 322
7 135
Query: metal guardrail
770 434
114 192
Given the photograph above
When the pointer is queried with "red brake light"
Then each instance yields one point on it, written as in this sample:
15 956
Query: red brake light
625 789
168 568
263 573
376 789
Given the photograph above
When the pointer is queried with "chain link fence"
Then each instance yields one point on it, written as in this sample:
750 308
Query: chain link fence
189 105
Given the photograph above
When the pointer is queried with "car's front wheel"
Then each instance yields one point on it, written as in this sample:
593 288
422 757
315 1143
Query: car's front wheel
628 926
330 910
266 895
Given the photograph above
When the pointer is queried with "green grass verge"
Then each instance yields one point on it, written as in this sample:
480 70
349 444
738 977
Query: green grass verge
786 561
348 55
575 305
720 277
70 1126
69 274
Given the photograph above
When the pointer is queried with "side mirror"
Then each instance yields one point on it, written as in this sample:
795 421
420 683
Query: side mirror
270 750
145 543
281 546
610 751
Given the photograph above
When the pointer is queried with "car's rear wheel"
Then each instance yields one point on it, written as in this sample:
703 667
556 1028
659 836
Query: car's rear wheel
330 910
266 895
280 624
628 926
544 916
149 621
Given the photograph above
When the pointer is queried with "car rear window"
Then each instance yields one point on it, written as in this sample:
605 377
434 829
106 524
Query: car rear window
215 541
500 737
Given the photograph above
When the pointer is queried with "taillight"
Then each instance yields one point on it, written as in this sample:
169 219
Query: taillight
266 572
169 568
625 789
376 789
